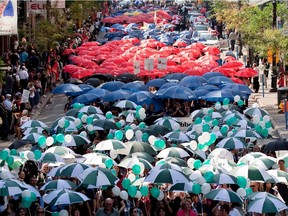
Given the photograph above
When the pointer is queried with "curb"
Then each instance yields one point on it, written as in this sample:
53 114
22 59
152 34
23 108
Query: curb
43 105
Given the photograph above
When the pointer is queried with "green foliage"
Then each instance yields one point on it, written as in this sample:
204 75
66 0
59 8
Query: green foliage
254 24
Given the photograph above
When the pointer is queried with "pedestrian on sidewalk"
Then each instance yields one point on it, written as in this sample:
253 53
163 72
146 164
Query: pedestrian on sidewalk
256 84
232 38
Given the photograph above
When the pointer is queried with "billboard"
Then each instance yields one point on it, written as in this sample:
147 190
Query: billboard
8 17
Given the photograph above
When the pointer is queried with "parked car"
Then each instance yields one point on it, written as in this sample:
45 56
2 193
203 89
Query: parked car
208 39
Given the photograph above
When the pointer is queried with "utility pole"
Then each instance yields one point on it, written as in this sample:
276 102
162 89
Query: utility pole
274 73
239 54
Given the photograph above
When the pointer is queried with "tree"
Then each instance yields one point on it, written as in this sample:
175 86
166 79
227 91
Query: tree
255 25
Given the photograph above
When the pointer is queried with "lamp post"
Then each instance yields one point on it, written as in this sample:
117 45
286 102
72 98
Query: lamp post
274 73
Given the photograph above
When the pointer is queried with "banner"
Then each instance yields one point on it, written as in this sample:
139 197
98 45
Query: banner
162 63
60 4
136 67
148 64
8 17
184 122
25 96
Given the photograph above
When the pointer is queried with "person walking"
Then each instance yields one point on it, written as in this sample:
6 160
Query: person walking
256 84
232 38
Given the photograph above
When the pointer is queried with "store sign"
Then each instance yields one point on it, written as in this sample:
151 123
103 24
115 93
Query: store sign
8 17
37 7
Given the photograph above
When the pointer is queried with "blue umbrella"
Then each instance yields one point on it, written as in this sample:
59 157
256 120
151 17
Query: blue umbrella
85 98
238 87
66 89
116 95
134 87
193 82
168 84
200 93
156 82
99 92
112 86
177 92
209 75
218 95
219 80
175 76
86 87
208 87
140 97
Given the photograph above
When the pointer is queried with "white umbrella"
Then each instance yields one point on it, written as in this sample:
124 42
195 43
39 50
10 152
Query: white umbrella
167 176
109 144
173 152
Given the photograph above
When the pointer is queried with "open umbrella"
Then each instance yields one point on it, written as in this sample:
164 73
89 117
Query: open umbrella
276 145
219 80
72 170
193 82
135 146
134 87
251 172
177 136
173 152
109 144
231 143
97 177
67 89
169 176
75 140
125 104
156 82
64 197
58 184
265 203
11 187
251 111
112 86
167 122
93 82
178 161
218 95
49 157
187 187
105 124
31 138
142 155
116 95
177 92
33 124
130 162
224 195
91 110
222 178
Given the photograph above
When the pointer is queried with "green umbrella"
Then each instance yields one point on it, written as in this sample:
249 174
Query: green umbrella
169 176
51 158
95 159
105 124
37 130
167 122
264 162
178 161
33 123
58 184
251 172
97 177
177 136
142 155
73 170
265 203
130 162
31 138
64 197
222 178
279 174
157 129
187 187
75 140
109 144
125 104
90 110
251 111
11 187
231 143
136 146
165 166
60 150
72 112
224 195
173 152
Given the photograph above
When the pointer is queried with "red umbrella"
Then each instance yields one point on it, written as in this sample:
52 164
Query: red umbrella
84 73
226 71
212 50
72 69
233 64
180 43
68 52
168 50
196 71
190 64
91 43
246 73
229 58
88 64
237 80
213 57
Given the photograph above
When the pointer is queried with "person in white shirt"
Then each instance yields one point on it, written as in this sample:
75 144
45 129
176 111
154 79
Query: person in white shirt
23 75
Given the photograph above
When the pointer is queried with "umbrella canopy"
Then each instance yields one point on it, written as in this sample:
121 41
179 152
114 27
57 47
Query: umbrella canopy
31 138
11 187
173 152
90 110
248 134
156 82
279 174
58 185
219 80
193 82
93 82
49 157
169 176
231 143
134 87
64 197
142 155
177 92
187 187
135 146
73 170
167 122
251 172
75 140
222 178
105 124
178 161
109 145
177 136
33 124
112 86
60 150
97 177
126 104
224 195
67 89
126 77
276 146
116 95
130 162
251 111
218 95
265 203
